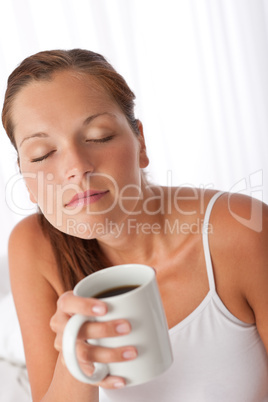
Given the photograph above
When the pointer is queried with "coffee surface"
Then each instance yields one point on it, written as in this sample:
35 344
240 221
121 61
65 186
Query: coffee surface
115 291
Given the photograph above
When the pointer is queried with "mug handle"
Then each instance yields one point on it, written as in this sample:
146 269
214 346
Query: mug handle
69 352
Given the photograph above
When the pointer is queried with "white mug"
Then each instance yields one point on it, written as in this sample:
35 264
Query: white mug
142 307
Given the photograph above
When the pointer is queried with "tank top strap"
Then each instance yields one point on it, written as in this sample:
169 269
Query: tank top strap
205 233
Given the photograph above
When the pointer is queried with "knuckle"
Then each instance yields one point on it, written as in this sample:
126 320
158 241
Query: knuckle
53 323
62 300
57 343
56 322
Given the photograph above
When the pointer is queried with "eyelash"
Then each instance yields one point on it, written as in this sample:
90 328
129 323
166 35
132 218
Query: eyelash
101 140
41 158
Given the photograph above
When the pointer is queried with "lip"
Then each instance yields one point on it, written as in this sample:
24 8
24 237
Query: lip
87 197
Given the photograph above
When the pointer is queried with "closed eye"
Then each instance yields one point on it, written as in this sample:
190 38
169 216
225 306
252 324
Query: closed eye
43 157
100 140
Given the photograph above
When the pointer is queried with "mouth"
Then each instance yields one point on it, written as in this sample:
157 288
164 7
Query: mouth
85 198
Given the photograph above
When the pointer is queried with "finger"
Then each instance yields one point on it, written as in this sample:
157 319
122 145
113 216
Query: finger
71 304
96 330
58 321
58 342
92 330
89 353
88 368
112 382
109 382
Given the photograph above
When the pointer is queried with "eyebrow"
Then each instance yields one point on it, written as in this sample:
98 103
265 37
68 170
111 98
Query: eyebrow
94 116
86 122
36 135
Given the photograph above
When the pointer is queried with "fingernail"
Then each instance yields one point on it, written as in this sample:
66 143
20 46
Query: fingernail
123 328
98 309
129 354
119 384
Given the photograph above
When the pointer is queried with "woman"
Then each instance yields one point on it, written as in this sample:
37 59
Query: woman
82 154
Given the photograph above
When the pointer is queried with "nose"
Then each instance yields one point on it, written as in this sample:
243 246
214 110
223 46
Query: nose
77 163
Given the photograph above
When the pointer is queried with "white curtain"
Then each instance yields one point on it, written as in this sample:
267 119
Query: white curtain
199 69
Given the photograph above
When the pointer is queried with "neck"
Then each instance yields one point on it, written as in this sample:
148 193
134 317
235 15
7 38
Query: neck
138 238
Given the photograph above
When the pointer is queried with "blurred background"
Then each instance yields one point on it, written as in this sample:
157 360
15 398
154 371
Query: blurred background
199 69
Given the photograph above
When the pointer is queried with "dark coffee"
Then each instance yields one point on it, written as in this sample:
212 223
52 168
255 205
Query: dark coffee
115 291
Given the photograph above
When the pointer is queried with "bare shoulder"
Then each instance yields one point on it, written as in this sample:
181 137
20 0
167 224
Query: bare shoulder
234 216
27 232
241 230
31 254
239 248
240 223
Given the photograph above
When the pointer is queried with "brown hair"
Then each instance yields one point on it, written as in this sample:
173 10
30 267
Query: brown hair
75 257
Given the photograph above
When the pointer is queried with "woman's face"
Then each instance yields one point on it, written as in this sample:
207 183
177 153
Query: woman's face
79 157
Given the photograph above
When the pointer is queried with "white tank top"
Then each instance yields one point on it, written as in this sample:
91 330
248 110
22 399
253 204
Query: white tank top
217 357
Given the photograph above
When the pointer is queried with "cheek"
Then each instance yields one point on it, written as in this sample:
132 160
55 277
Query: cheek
123 163
124 167
32 186
40 190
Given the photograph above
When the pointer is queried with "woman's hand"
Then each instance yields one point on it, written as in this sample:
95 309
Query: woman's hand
68 304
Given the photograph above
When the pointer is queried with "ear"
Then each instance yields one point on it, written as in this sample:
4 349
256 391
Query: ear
144 160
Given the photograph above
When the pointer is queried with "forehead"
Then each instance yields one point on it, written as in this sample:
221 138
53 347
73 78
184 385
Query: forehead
66 95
